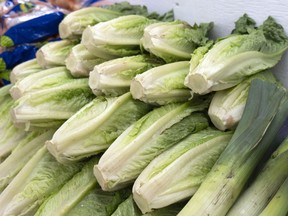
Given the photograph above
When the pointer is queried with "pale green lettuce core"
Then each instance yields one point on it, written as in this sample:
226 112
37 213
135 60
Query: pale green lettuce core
71 193
41 177
227 106
180 169
54 53
94 127
9 134
24 69
116 38
52 106
43 79
113 77
235 57
80 61
174 41
22 153
148 137
162 85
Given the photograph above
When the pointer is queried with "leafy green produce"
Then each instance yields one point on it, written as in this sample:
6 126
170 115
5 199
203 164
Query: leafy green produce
145 139
116 38
237 56
94 127
54 53
22 153
71 193
43 79
174 41
24 69
113 78
50 107
263 116
41 177
254 199
180 169
226 107
162 85
80 61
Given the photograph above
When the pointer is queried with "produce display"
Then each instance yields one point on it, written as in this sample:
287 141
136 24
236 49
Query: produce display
132 113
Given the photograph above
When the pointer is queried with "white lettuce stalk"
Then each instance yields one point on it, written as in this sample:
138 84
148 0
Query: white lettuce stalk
94 127
44 79
162 85
54 53
115 38
144 140
80 61
235 57
113 77
227 106
174 41
180 169
24 69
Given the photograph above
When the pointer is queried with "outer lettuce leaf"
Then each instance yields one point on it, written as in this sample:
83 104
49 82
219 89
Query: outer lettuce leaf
113 78
148 137
234 58
93 128
71 193
51 107
99 202
115 38
38 179
22 153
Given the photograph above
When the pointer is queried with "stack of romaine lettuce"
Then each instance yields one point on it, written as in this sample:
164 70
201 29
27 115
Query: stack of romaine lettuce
132 113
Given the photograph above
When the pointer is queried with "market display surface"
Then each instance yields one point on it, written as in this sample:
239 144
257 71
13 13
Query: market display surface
134 113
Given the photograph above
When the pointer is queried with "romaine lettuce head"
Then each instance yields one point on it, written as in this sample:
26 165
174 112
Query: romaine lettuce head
174 41
115 38
51 107
94 127
41 177
71 193
180 169
54 53
113 78
73 25
43 79
80 61
235 57
148 137
162 85
22 153
24 69
227 106
9 134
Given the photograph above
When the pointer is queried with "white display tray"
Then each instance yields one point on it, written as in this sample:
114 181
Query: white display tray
224 13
